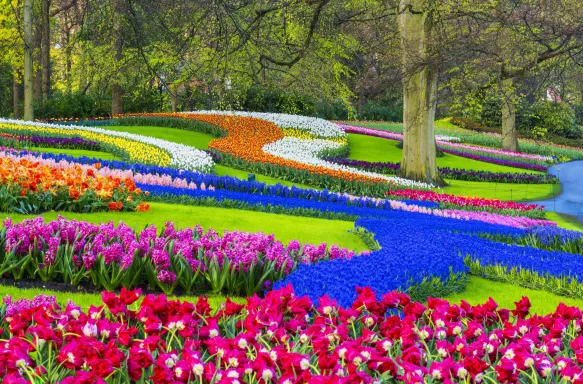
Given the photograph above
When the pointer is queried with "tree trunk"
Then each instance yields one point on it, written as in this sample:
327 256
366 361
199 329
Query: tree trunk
509 135
116 105
15 97
28 69
68 60
419 95
116 89
45 48
174 102
38 74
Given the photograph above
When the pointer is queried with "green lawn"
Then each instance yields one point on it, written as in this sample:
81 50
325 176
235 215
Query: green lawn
377 149
194 139
85 300
502 191
441 127
284 227
77 153
478 291
565 221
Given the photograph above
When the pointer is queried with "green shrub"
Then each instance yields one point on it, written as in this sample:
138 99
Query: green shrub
466 123
558 119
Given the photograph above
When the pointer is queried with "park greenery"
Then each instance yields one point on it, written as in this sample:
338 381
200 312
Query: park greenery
291 191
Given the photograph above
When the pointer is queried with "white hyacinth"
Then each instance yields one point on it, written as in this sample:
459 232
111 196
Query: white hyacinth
306 151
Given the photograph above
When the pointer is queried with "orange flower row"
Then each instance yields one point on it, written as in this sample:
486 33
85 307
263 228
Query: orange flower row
33 177
246 137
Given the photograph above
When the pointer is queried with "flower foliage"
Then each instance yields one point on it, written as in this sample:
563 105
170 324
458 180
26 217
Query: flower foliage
490 155
136 148
389 168
463 201
284 338
47 141
28 187
403 261
110 257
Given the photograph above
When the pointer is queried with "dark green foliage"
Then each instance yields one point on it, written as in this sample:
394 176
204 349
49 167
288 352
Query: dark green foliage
74 104
384 111
466 123
5 90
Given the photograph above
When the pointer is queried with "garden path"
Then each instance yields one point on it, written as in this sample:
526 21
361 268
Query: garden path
570 201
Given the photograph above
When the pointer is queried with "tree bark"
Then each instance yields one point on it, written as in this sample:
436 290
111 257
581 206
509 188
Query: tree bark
28 68
509 134
45 48
116 89
15 97
174 96
419 95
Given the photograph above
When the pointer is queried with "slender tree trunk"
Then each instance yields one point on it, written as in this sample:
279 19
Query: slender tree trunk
419 95
38 74
116 89
82 71
45 48
16 97
509 134
68 60
28 68
174 101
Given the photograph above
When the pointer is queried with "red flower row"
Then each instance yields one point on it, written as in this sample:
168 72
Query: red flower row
287 339
462 201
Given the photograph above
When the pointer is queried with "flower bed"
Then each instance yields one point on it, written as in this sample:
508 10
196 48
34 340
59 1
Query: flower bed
258 145
390 135
29 187
137 148
185 187
389 168
474 203
286 338
109 257
310 151
454 248
51 142
527 161
313 125
493 160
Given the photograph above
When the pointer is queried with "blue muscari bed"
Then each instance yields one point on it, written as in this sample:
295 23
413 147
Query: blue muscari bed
414 246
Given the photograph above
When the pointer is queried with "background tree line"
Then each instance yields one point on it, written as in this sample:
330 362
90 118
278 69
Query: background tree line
511 65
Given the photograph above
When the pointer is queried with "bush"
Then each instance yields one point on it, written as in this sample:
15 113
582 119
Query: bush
374 110
466 123
558 119
75 104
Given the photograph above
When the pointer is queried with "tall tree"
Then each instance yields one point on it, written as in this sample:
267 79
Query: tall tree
118 36
28 64
416 24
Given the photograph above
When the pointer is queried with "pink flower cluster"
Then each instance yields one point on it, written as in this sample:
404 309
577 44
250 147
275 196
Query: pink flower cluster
190 258
288 339
462 201
486 217
390 135
498 152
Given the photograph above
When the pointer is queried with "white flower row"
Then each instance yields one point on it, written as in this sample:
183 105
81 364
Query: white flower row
314 125
306 151
181 156
451 139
